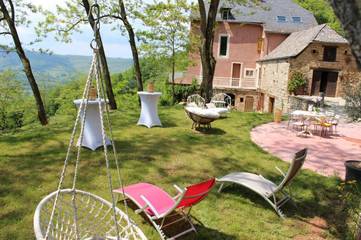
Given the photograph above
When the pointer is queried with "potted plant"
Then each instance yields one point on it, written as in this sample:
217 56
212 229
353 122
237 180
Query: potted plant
93 93
150 86
297 83
277 117
353 170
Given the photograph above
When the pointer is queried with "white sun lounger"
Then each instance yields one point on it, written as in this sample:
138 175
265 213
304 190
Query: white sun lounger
266 188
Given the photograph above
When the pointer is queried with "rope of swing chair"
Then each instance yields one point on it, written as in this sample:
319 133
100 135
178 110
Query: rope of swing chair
94 70
110 130
101 91
83 104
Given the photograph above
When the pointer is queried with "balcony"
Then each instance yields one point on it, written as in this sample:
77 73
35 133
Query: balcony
220 82
244 83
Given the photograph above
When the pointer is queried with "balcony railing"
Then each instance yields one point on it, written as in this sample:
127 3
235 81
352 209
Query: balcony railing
246 83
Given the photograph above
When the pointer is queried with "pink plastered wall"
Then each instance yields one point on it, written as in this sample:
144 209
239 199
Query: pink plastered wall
272 41
242 47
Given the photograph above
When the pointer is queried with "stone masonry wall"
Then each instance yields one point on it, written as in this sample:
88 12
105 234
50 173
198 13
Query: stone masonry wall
274 83
312 58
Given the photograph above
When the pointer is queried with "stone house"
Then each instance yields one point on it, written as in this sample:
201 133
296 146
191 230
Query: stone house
320 54
243 36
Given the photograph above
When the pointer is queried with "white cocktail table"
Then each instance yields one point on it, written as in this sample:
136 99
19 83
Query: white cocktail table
149 111
92 137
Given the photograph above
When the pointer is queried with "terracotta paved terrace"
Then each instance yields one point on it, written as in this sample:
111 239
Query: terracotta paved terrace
326 155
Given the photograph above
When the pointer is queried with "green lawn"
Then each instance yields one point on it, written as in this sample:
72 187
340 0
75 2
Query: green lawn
31 160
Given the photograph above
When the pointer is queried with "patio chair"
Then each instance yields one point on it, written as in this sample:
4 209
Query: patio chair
297 122
326 125
201 117
266 188
196 100
159 206
221 104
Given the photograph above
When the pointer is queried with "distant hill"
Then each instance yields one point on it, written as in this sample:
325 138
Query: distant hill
53 69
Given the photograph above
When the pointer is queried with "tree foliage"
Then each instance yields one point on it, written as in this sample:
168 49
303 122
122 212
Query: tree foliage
167 31
20 13
349 13
353 101
12 96
323 13
67 20
12 15
296 82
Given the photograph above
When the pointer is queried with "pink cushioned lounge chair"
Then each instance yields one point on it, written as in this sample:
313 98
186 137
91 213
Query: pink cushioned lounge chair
159 205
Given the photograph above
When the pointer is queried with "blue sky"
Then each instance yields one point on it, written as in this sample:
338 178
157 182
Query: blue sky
115 44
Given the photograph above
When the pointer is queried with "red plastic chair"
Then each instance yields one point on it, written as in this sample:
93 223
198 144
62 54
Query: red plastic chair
159 205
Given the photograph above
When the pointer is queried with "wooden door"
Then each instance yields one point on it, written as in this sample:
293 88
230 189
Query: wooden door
331 84
248 105
236 74
271 104
316 83
260 102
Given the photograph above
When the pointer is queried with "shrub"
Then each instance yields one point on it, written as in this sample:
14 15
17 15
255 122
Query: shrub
183 91
353 101
296 82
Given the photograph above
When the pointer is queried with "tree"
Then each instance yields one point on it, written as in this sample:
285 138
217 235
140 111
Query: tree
207 19
12 15
207 26
123 16
11 96
349 13
167 30
67 21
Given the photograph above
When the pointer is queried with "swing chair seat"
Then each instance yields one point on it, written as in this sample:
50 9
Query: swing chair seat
94 217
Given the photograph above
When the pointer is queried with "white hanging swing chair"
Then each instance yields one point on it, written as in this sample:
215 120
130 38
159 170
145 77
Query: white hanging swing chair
69 214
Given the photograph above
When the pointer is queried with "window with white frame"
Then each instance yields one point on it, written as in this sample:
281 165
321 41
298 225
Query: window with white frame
249 72
223 45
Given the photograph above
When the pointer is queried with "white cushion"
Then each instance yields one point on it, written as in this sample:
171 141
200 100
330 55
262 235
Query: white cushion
221 111
203 112
211 105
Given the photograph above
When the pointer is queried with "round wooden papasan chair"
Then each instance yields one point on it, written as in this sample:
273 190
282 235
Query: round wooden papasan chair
198 113
94 218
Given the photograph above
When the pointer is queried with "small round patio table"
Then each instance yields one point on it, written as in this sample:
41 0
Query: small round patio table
92 137
149 112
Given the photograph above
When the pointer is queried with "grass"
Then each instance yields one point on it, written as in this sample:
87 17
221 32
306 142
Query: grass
31 160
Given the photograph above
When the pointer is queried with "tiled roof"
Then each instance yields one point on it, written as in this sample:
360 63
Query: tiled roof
298 41
267 12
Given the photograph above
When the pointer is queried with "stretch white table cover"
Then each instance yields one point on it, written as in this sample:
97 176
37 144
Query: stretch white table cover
92 137
149 111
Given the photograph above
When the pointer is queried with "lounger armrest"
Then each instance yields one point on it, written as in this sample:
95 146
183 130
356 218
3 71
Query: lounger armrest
147 204
138 211
180 191
282 173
